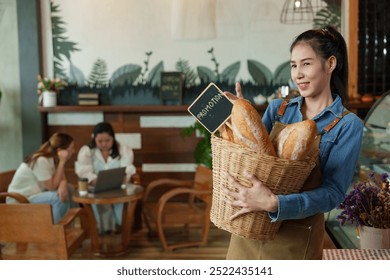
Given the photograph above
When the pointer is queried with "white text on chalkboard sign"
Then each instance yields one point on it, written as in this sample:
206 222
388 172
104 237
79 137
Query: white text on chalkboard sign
212 108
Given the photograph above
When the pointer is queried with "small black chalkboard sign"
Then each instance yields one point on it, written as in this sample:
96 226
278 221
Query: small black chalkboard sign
171 88
212 108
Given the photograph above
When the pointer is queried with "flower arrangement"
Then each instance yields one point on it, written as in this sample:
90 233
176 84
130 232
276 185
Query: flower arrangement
368 204
47 84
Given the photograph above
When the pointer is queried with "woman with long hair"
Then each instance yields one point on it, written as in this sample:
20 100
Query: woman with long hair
105 152
319 68
41 177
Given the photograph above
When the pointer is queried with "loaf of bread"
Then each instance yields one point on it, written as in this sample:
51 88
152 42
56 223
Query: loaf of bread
248 128
295 141
226 132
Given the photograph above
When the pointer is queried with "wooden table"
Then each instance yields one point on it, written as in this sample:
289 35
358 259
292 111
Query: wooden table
129 197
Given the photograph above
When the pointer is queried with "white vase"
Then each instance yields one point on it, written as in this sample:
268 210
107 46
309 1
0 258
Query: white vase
49 99
374 238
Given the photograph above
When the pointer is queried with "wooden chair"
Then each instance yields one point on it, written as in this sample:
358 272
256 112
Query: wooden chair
28 232
172 210
5 180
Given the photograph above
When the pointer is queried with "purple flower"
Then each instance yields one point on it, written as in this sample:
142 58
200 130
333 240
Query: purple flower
368 203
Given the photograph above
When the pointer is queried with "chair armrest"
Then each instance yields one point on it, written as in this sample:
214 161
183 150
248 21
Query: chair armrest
72 214
17 196
166 182
172 193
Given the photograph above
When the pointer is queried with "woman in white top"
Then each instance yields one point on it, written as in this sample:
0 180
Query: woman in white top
41 177
104 152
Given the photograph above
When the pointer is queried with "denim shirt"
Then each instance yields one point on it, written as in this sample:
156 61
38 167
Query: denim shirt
339 152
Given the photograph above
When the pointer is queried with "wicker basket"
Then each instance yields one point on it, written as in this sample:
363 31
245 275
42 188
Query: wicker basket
280 175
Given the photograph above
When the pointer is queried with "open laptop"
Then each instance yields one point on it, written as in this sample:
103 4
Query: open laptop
107 180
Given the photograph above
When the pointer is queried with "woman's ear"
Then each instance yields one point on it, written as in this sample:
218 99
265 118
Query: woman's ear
332 62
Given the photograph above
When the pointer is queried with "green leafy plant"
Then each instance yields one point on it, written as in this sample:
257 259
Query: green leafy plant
125 74
61 45
202 150
228 75
98 76
146 69
214 60
190 76
154 76
330 15
48 84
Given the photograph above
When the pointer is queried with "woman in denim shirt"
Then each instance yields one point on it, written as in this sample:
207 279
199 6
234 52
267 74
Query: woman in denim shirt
319 67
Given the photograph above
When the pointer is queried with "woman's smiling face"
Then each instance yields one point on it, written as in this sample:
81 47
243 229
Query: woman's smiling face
309 72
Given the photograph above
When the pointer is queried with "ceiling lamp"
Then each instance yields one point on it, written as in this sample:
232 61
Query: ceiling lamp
297 11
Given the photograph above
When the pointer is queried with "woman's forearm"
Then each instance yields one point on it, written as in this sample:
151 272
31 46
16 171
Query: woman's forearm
59 175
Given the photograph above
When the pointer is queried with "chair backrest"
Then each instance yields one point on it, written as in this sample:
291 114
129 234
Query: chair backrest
5 180
203 181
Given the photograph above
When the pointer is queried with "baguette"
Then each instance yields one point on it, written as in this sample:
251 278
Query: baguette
226 132
248 128
295 141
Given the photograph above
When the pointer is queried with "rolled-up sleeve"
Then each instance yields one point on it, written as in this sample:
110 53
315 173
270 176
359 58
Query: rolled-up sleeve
127 159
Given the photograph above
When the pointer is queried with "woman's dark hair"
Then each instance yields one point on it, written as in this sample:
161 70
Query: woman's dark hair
48 149
105 127
327 42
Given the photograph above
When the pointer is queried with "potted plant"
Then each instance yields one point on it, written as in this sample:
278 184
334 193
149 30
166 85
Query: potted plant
48 89
202 150
367 206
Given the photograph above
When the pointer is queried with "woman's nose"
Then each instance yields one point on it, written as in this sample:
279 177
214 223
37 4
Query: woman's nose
299 74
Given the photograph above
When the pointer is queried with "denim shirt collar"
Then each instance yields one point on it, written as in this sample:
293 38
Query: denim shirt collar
336 108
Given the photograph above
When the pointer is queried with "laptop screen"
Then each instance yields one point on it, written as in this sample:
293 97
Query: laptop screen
110 179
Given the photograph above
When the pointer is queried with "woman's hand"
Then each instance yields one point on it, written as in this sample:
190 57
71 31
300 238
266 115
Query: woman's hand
93 182
63 155
62 191
258 197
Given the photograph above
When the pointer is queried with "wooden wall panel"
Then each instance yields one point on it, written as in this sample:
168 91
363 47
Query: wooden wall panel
159 145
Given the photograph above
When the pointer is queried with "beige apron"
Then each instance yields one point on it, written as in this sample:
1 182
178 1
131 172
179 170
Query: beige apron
296 239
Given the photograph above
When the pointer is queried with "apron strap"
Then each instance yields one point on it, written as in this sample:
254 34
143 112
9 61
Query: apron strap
282 109
333 123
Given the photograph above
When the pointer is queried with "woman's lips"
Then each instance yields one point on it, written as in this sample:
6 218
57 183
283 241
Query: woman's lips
303 86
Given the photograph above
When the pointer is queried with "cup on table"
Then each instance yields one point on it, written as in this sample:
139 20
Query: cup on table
83 186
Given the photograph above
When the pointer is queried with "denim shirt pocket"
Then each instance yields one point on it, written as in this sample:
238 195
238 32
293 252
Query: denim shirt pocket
326 143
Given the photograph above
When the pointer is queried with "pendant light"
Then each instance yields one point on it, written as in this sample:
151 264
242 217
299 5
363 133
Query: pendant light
296 12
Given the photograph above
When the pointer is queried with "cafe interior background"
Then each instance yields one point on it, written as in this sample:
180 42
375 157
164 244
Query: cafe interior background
131 42
128 34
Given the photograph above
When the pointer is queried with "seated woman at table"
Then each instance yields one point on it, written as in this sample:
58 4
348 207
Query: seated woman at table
41 177
105 152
